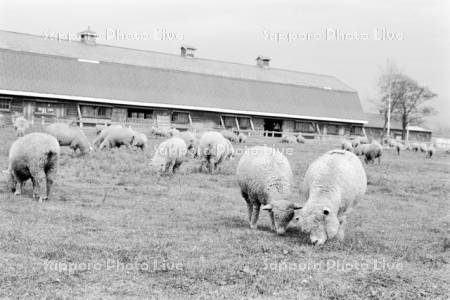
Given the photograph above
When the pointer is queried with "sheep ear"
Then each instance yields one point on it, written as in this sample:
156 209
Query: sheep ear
297 206
267 207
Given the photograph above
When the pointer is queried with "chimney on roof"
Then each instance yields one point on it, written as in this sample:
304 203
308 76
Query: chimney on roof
188 51
88 36
262 61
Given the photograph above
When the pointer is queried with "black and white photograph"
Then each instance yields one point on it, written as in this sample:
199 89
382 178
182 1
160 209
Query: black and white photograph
286 149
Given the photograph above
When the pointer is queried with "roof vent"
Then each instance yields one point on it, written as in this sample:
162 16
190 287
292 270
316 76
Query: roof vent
188 51
88 36
262 61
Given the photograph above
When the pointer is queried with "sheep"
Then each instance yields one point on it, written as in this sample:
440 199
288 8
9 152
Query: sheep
169 155
34 156
214 149
21 125
370 152
103 133
230 135
415 147
265 179
301 139
140 140
73 137
423 147
332 185
118 137
431 151
242 138
346 145
288 139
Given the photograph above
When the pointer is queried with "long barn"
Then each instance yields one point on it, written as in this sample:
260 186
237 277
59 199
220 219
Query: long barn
45 80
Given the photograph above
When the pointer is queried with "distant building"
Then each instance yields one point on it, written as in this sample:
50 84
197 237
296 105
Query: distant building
374 129
46 79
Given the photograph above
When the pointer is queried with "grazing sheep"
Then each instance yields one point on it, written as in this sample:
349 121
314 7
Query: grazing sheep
423 147
332 185
169 155
288 139
415 147
300 139
346 145
355 143
431 151
242 138
118 137
33 156
265 178
21 125
230 135
73 137
140 140
392 142
214 149
370 152
104 133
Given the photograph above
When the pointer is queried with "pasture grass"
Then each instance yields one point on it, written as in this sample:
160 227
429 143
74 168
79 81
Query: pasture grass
122 231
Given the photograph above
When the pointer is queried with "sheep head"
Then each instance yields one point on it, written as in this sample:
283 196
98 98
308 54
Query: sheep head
320 222
283 212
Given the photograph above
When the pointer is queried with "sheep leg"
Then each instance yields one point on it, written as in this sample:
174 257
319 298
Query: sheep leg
20 189
49 183
176 166
272 220
255 216
250 212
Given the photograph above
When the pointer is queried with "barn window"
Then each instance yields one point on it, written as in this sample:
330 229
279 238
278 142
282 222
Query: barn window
180 117
304 126
332 129
90 111
229 122
140 113
244 123
46 108
356 130
5 104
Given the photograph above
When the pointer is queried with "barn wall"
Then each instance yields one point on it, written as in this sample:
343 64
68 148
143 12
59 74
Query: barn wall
288 126
119 114
202 119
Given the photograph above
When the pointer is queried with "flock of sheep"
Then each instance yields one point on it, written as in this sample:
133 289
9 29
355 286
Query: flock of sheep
332 184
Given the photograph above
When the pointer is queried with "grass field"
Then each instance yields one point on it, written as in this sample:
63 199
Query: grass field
113 229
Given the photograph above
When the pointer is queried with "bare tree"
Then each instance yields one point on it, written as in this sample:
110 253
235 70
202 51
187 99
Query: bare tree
402 98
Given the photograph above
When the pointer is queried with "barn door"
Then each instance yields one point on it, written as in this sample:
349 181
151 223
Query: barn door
163 119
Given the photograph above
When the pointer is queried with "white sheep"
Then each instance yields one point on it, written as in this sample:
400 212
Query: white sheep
118 137
301 139
346 145
370 152
229 151
169 155
265 178
21 125
103 133
289 139
140 140
213 150
415 147
230 135
332 186
73 137
33 156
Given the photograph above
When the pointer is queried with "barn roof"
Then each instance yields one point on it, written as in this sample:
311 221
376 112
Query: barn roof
34 65
376 120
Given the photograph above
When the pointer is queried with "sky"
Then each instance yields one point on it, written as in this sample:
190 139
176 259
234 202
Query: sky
352 40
